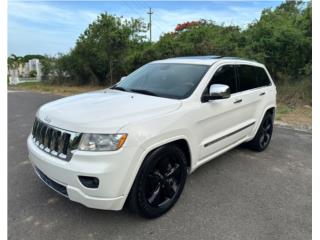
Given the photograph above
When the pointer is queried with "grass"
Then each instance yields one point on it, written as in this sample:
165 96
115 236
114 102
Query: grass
293 107
299 116
295 94
54 89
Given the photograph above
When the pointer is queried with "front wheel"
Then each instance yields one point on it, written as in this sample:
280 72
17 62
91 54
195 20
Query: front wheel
263 136
159 182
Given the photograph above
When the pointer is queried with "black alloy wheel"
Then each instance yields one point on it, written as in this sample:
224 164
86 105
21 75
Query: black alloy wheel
159 182
163 181
263 136
266 132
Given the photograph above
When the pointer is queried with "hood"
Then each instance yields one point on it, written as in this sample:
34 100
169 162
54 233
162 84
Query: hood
103 111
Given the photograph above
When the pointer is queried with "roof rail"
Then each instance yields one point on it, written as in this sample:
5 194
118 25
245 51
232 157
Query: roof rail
198 57
238 58
212 57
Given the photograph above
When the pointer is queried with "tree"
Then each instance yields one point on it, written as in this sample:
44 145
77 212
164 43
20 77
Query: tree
279 40
14 62
28 57
101 49
47 67
33 74
200 38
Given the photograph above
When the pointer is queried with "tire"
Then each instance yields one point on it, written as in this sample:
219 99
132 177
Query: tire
263 136
159 182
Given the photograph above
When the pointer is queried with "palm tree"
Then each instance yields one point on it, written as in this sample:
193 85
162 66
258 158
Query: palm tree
14 62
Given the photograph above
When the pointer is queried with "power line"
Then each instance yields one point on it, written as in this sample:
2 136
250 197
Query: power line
133 8
154 17
133 5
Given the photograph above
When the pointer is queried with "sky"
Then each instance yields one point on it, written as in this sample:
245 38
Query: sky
52 27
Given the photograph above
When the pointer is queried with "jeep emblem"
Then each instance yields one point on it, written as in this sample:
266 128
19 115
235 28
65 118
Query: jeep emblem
47 119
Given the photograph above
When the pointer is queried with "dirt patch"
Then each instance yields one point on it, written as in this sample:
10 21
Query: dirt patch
298 116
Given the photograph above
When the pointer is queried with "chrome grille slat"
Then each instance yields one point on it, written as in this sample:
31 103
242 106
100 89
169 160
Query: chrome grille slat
42 133
61 143
47 138
54 141
34 127
38 126
66 144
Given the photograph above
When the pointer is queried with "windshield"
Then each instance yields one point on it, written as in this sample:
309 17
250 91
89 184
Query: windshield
170 80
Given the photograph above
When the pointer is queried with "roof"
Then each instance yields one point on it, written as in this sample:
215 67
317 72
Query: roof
203 60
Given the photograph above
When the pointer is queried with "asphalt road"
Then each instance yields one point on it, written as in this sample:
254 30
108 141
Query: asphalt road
240 195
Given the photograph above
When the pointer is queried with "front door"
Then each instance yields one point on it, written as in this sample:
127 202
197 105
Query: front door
222 121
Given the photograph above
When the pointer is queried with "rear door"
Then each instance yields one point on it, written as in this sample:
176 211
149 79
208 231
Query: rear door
250 95
266 94
220 122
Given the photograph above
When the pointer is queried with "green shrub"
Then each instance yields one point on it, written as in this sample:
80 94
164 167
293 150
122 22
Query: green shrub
33 74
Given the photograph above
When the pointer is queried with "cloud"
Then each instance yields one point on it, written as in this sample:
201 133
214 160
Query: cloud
52 27
38 27
44 13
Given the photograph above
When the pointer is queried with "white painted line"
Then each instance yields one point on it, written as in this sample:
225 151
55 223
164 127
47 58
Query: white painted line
13 91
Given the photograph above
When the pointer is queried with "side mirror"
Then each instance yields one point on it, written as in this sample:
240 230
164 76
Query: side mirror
217 91
122 78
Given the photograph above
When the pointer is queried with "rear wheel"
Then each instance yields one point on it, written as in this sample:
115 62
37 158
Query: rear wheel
159 182
263 136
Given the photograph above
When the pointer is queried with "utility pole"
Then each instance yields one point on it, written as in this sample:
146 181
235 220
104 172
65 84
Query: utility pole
150 29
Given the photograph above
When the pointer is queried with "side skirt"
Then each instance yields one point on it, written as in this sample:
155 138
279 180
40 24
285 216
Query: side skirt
220 152
228 135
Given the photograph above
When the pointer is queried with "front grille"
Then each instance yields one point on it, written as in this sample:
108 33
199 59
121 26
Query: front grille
55 141
52 184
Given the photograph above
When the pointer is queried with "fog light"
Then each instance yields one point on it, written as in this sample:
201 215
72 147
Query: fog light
89 182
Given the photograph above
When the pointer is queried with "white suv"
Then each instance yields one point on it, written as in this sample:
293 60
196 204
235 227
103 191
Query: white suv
136 142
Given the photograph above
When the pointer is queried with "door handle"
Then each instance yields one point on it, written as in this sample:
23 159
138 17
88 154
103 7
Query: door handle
261 94
238 101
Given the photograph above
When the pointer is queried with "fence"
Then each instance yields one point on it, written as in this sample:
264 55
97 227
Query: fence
18 80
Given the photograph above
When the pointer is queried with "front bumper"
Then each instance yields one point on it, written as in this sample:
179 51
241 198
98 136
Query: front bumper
111 168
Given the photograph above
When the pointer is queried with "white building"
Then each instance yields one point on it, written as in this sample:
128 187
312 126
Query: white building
22 73
32 65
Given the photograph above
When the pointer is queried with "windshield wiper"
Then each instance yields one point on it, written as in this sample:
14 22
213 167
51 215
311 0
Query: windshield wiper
119 88
147 92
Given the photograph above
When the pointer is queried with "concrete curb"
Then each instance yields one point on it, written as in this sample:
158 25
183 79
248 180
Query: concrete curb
304 128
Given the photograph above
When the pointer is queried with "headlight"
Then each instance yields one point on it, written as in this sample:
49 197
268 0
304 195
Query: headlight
101 142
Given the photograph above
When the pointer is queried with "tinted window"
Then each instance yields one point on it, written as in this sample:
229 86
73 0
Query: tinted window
262 77
172 80
225 75
247 77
